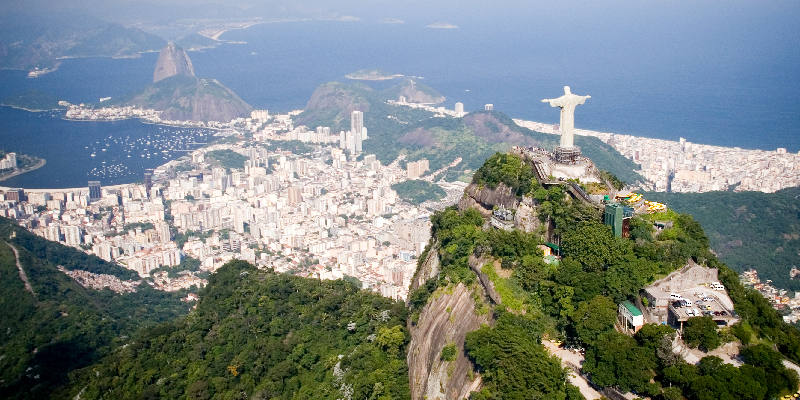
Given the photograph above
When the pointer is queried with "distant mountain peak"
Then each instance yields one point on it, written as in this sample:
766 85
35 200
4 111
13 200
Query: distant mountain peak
172 61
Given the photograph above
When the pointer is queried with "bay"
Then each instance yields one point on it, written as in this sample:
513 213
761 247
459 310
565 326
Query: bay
726 75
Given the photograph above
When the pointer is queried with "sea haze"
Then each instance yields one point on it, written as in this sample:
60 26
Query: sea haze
721 74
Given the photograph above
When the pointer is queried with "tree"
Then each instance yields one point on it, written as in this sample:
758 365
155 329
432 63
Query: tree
513 362
650 335
593 244
701 332
593 318
391 338
616 359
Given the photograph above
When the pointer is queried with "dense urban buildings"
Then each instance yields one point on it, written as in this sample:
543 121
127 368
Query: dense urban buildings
319 214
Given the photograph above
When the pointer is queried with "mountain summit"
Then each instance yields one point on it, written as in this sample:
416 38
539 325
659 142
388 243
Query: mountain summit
172 61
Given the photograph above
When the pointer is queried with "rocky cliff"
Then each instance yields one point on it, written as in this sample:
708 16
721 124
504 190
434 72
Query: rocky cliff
485 199
450 313
444 321
172 61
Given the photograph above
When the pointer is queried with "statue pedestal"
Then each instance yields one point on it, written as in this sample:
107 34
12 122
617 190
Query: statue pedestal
567 155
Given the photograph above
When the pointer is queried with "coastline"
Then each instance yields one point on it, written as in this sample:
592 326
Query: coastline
29 110
36 166
217 34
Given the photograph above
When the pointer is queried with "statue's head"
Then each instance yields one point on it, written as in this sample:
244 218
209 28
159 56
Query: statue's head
566 90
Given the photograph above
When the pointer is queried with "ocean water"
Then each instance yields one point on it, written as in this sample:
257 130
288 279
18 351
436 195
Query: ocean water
721 74
79 151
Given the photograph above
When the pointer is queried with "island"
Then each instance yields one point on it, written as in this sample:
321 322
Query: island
442 25
372 75
13 164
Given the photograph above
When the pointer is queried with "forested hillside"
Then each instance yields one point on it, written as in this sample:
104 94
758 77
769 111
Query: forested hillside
260 335
62 326
576 301
748 229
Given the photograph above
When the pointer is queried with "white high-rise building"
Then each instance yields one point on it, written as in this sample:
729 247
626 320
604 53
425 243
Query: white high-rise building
356 122
72 235
460 108
357 138
489 107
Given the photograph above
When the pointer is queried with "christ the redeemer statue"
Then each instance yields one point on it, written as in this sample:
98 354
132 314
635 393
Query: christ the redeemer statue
567 102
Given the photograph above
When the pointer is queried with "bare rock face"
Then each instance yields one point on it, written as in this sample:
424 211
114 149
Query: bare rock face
484 199
444 320
527 217
428 269
172 61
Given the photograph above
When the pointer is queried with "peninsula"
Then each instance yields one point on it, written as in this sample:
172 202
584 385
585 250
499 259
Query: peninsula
34 100
13 164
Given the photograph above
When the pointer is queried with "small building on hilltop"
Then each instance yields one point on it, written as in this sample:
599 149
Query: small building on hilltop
630 317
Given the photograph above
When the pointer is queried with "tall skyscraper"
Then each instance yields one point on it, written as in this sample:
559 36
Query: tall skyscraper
95 192
356 122
459 108
148 180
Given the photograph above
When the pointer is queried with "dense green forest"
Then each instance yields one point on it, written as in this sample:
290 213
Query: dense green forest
260 335
295 146
576 301
227 158
63 326
33 100
417 192
748 229
396 130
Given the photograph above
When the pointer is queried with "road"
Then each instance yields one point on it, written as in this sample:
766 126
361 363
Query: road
567 356
22 275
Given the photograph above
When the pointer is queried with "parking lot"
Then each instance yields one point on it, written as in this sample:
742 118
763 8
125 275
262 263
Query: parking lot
705 301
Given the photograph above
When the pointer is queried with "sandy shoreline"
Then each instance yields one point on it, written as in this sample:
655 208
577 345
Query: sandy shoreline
38 165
